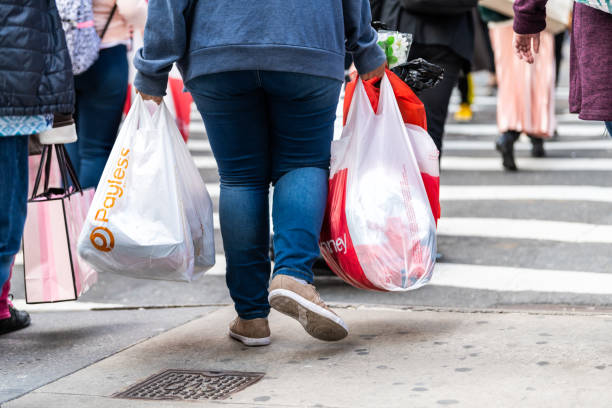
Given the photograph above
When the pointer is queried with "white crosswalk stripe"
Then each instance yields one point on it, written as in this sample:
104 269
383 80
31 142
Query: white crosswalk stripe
604 144
593 129
521 279
526 163
525 229
556 193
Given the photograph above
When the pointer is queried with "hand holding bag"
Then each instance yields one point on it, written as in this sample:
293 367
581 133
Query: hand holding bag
140 222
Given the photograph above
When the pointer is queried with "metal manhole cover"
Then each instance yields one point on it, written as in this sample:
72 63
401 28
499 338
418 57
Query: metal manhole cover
190 385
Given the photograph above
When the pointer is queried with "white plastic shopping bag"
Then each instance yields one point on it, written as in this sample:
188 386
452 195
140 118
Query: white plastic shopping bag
379 232
138 223
197 202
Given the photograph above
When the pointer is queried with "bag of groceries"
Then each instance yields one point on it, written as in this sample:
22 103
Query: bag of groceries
379 230
151 216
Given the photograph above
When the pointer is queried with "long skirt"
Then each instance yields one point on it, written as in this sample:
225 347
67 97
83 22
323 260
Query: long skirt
525 94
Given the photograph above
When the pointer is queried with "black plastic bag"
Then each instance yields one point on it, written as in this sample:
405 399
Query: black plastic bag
419 74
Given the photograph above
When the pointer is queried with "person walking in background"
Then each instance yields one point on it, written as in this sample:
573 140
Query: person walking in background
482 60
590 53
101 90
36 83
466 93
443 34
525 93
267 88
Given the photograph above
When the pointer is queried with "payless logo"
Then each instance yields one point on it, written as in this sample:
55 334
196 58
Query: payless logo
337 245
101 237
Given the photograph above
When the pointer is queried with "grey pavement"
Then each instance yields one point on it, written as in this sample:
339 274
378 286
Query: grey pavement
59 343
393 357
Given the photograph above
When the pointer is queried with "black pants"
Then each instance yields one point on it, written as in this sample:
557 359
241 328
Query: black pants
436 99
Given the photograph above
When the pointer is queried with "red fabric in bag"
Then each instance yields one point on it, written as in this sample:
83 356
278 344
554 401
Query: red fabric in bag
413 112
411 107
182 105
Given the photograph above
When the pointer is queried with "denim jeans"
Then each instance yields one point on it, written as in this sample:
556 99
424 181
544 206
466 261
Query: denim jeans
13 198
100 95
268 127
609 127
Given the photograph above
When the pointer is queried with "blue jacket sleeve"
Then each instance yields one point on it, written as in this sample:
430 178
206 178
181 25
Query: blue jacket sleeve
165 42
361 38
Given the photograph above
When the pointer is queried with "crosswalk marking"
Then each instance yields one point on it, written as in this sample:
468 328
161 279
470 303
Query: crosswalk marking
556 146
486 129
506 228
507 279
78 306
205 162
530 192
197 127
199 145
526 164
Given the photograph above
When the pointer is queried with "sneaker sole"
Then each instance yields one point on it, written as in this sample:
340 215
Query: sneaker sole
318 322
250 341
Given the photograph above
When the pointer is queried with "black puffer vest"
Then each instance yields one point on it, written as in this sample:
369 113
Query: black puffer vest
35 68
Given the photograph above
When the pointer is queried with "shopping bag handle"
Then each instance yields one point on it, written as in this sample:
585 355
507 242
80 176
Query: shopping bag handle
67 173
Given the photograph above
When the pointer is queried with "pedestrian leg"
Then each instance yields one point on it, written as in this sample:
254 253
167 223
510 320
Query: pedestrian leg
101 92
233 107
13 205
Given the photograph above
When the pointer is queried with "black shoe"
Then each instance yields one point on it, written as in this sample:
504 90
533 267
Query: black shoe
505 145
18 320
537 147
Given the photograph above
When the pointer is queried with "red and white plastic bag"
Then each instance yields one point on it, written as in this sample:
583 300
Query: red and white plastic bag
379 231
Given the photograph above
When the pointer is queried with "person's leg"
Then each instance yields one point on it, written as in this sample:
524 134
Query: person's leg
537 146
609 127
559 40
13 205
505 145
233 107
464 113
5 313
436 99
101 92
302 111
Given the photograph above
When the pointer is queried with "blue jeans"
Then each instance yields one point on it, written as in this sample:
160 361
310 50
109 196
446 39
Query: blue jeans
100 95
268 127
13 198
609 127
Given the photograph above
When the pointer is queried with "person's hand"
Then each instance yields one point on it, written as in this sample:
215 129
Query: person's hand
145 97
378 72
523 44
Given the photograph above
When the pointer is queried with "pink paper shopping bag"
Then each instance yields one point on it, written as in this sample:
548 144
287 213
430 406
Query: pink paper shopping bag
53 271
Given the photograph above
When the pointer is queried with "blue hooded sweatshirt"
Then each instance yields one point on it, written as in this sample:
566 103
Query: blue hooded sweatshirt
210 36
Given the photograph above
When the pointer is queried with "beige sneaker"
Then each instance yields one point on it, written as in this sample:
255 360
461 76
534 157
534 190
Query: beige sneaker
302 302
255 332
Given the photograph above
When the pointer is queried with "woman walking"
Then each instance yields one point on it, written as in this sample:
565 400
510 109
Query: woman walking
590 53
36 82
101 90
525 93
266 77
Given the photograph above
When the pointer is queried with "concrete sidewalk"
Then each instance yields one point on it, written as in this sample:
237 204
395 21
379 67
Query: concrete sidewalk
392 358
